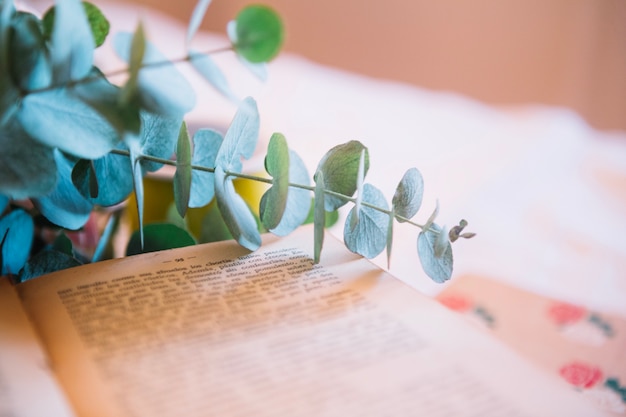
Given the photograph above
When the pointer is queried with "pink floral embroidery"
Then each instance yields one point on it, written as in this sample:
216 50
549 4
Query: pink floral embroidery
456 303
563 313
581 375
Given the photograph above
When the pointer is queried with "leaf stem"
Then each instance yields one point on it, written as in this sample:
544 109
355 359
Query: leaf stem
155 64
269 181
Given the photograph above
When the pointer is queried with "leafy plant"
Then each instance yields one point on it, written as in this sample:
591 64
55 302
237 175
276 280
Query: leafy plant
72 142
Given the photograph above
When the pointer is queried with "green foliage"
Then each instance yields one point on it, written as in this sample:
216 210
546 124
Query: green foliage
158 237
259 33
73 143
98 23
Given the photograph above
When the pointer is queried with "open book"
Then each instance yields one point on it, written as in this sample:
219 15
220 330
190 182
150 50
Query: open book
213 330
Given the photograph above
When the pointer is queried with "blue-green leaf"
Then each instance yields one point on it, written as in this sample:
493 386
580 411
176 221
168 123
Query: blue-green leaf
438 268
30 67
407 199
213 227
16 237
319 216
72 46
340 166
158 237
298 199
158 137
182 177
64 206
206 144
162 88
59 118
130 91
4 203
106 237
113 175
196 18
137 184
241 137
359 191
27 168
46 262
274 200
209 70
389 239
236 214
369 236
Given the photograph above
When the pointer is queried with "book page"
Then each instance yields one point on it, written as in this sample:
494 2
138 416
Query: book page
213 330
27 386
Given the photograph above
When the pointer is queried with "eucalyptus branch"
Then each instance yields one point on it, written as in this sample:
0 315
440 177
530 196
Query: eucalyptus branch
144 65
270 181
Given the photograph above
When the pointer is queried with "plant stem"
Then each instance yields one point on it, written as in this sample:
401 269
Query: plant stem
270 181
155 64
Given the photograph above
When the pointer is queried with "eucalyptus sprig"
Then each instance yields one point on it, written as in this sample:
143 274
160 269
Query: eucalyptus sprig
71 142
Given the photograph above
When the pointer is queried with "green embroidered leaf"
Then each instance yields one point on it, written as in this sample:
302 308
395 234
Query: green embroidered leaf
274 200
340 166
157 237
16 237
98 23
438 268
259 33
319 216
182 177
46 262
298 199
241 137
369 236
206 144
64 206
162 88
236 214
407 199
72 43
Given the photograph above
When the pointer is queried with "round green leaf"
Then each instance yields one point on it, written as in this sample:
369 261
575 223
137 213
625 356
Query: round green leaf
259 33
274 200
367 236
340 166
436 259
97 22
159 236
408 196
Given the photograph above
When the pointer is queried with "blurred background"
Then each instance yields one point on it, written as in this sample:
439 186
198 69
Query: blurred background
565 53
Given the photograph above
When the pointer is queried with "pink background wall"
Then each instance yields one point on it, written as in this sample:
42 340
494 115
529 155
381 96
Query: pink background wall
557 52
